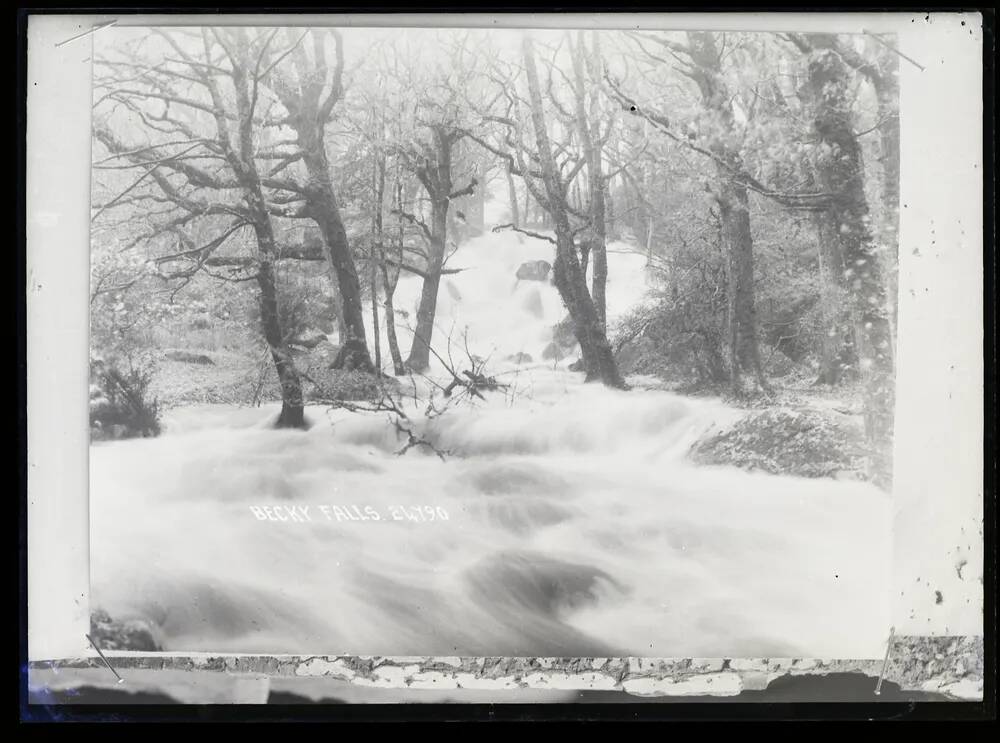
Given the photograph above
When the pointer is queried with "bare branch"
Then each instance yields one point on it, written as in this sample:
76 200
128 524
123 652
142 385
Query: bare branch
501 227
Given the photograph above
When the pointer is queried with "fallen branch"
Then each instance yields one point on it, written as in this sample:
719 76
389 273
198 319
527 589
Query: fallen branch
501 227
413 440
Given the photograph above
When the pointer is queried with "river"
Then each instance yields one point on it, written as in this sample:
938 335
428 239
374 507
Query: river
566 519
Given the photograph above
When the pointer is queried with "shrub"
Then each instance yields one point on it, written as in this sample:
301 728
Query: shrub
120 406
673 340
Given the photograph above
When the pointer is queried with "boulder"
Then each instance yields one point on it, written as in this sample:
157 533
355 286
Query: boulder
533 304
309 338
113 634
187 357
520 358
534 271
577 366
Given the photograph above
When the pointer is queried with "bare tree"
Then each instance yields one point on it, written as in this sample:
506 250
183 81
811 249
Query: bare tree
214 175
568 272
427 145
309 89
549 170
588 122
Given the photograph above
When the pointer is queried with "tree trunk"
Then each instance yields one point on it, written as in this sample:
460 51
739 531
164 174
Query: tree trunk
292 409
377 252
245 170
419 359
436 178
887 91
291 388
398 367
515 212
838 357
599 280
389 282
883 75
734 213
567 274
309 100
325 211
586 121
842 174
611 218
649 242
375 331
476 216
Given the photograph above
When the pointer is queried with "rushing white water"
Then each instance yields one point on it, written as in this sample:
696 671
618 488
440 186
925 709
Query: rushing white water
565 522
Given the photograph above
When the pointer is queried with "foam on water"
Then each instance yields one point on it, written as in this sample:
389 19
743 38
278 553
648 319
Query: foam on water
575 524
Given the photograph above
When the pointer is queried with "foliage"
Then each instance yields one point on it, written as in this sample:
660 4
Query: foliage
120 403
808 443
174 256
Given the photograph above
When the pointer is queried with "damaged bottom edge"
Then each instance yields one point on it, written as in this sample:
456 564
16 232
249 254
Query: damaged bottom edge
918 669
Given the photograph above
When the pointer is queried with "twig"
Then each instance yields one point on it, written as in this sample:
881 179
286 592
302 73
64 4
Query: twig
892 48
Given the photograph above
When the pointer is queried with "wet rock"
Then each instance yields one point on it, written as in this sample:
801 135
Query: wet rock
111 634
309 338
533 304
187 357
534 271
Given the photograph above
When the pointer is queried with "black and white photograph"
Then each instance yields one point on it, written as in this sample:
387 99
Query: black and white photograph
517 342
471 342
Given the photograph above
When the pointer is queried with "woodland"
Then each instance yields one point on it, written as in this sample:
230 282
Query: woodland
258 192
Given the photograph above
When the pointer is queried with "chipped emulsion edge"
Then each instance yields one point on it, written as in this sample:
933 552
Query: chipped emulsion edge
952 666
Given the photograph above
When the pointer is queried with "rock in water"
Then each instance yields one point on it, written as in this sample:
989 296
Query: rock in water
112 634
534 271
533 304
309 338
189 358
